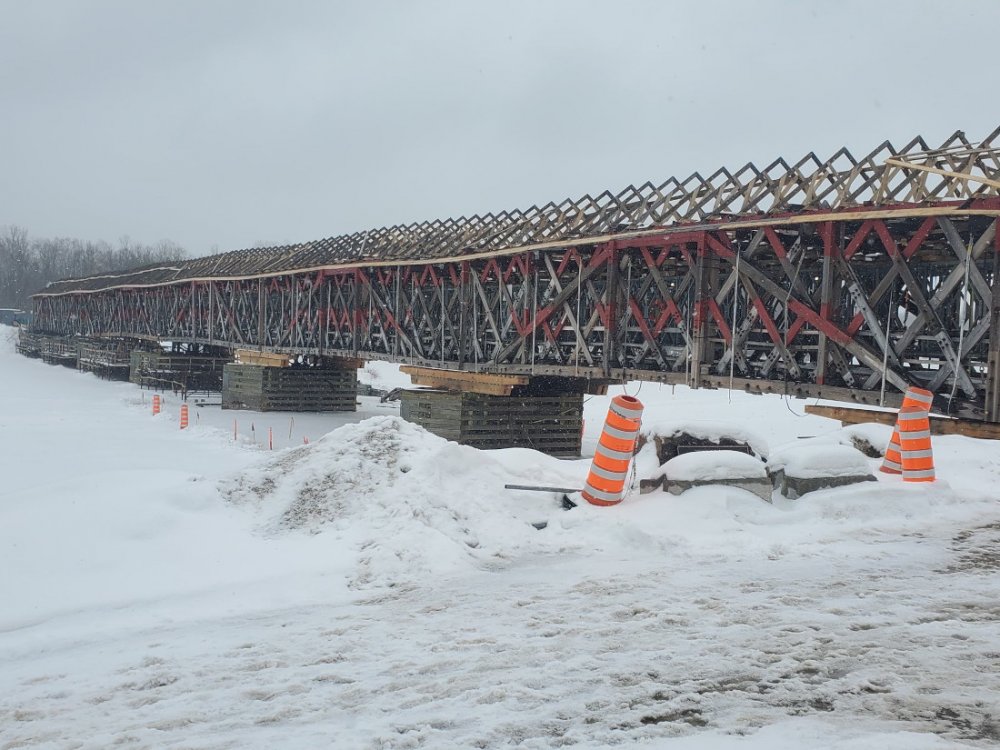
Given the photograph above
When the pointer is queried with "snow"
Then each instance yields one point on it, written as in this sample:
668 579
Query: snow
816 460
703 429
376 486
153 598
871 434
383 375
709 466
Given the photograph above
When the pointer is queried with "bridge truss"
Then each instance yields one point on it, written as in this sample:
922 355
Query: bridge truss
847 279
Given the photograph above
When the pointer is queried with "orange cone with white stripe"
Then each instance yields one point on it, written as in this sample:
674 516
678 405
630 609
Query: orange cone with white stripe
918 397
609 470
156 404
915 443
184 416
893 461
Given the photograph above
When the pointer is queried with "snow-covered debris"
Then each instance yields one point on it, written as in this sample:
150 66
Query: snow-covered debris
870 438
816 460
708 430
401 501
817 464
700 468
712 466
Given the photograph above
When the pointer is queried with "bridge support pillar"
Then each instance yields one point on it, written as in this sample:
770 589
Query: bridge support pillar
186 367
58 350
320 385
29 344
106 358
500 411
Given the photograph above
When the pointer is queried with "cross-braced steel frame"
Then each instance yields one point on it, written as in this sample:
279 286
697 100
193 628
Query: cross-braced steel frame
851 301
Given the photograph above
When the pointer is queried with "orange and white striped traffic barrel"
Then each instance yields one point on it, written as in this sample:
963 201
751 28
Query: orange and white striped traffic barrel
184 416
606 482
915 444
892 462
918 397
156 404
914 396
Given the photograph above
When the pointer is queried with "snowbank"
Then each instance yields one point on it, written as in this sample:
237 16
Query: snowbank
819 460
401 502
713 466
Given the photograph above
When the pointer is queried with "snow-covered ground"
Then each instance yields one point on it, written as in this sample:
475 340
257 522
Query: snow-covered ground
379 588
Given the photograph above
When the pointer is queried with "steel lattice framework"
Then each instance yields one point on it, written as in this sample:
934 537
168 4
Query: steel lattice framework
840 278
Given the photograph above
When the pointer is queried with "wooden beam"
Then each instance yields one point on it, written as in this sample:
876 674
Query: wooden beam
939 425
943 172
489 384
267 359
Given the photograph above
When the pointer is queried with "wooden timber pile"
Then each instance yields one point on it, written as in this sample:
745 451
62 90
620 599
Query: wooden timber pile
176 371
106 358
29 344
547 423
263 388
59 350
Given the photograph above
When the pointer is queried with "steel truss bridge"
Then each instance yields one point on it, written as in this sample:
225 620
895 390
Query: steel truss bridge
844 278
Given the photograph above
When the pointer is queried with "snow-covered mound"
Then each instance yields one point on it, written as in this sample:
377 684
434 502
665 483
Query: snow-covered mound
713 466
870 438
400 501
713 431
816 460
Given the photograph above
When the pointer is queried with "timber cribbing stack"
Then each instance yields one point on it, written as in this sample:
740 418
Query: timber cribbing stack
550 424
167 370
263 388
839 278
106 358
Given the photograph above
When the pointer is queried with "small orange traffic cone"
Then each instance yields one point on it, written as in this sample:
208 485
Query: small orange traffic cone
893 461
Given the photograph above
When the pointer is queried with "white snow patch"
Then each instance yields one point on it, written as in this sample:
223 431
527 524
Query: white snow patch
710 466
820 459
383 375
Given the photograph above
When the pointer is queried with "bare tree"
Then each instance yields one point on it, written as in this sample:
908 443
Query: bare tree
27 265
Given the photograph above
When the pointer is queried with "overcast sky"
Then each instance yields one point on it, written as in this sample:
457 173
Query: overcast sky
229 124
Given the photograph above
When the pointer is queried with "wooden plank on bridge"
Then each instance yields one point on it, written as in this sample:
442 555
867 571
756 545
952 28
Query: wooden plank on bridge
267 359
939 425
489 384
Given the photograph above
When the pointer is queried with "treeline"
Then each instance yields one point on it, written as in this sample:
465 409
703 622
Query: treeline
28 264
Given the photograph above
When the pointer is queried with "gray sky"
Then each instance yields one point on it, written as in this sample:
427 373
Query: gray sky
233 123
